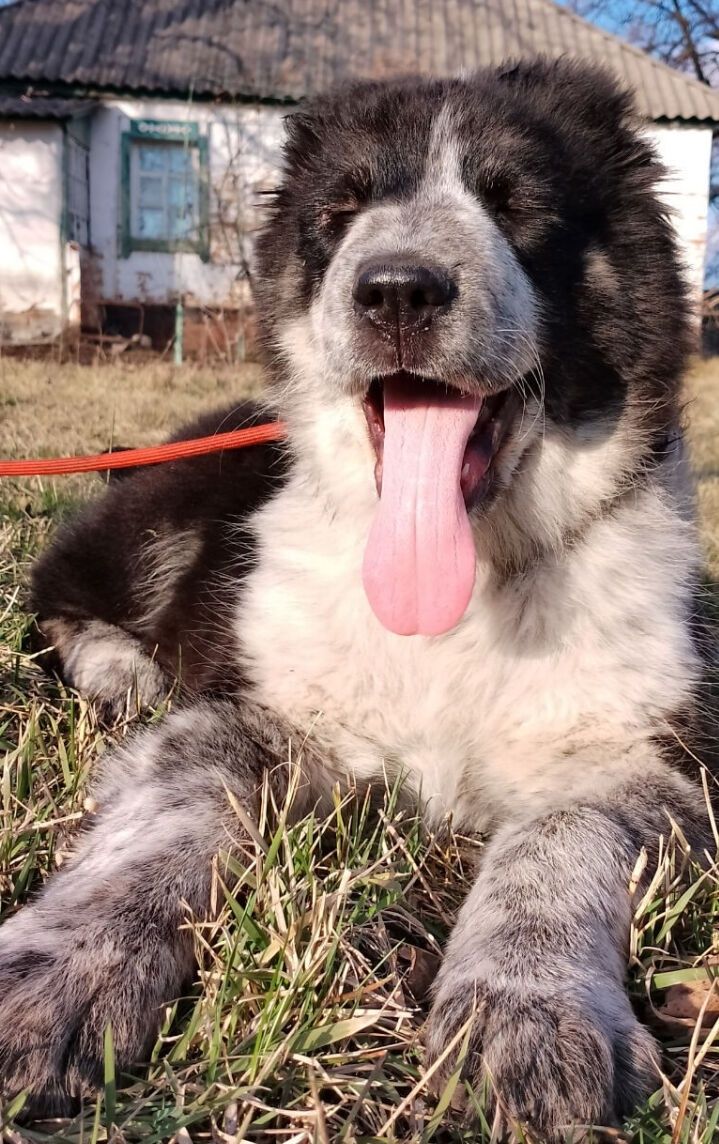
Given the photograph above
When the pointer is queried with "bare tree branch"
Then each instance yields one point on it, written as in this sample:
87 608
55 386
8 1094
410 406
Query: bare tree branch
682 33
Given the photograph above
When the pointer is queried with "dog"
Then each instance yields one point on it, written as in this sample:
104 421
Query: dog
473 564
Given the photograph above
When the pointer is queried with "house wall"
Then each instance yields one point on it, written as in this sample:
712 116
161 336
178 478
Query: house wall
32 263
686 153
244 144
39 278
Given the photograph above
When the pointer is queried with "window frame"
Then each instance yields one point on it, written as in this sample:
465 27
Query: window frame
171 133
70 218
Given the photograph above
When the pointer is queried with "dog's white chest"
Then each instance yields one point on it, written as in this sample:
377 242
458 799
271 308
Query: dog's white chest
375 700
490 715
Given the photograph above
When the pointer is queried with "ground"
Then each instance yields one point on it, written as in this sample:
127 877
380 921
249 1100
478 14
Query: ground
318 1038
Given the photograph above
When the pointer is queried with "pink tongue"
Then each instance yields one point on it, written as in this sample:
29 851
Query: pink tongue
419 564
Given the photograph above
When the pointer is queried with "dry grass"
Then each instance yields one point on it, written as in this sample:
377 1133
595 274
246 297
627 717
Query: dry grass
45 407
304 1024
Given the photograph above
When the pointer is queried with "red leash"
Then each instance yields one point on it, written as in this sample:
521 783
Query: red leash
153 455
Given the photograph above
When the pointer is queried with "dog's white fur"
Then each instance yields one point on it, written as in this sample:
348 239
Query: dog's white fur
581 654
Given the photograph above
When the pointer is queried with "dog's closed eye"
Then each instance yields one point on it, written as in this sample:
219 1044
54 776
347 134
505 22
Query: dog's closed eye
500 194
334 219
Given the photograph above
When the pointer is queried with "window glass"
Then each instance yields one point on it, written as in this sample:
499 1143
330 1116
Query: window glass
180 158
165 191
151 192
77 192
152 157
152 224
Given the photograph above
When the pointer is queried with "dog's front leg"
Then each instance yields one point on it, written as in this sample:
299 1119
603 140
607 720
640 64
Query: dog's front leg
106 942
537 961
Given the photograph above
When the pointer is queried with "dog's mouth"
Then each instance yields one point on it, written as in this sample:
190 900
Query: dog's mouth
494 415
434 447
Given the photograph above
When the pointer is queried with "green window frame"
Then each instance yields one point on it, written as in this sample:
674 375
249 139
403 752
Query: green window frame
165 188
76 189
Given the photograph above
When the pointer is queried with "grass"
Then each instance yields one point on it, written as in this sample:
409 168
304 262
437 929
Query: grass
305 1021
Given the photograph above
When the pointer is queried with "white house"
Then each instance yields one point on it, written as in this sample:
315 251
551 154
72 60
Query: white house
136 135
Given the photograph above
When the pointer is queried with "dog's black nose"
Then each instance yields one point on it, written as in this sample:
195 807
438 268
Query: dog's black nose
398 295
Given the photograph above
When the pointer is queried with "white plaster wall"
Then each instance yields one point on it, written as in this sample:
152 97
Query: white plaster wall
31 270
244 145
686 153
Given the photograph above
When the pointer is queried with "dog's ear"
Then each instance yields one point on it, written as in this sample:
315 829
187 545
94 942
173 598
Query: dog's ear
573 89
303 132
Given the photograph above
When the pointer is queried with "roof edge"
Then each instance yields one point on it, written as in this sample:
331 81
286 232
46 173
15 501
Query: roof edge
50 89
645 57
97 94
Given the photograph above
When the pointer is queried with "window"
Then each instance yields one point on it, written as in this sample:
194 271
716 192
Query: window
77 192
164 188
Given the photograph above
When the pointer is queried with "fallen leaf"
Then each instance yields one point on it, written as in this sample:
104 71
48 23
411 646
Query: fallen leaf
422 967
683 1003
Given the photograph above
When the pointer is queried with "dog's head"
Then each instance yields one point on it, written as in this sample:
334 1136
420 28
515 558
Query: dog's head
469 294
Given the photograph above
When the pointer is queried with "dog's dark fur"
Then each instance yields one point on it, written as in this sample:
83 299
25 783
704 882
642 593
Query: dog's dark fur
91 572
544 718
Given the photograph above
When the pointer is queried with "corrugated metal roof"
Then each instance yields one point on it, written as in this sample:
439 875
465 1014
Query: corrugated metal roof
287 49
43 107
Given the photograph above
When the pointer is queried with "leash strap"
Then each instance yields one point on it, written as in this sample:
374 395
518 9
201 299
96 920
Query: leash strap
153 455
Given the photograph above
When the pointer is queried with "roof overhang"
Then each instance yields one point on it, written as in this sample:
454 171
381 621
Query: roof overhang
44 107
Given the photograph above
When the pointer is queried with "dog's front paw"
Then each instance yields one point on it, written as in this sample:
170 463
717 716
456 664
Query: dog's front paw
550 1063
122 686
107 665
58 994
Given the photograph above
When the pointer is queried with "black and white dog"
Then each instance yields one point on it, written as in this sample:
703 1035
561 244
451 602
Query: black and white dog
474 563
